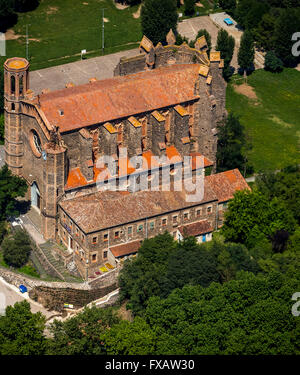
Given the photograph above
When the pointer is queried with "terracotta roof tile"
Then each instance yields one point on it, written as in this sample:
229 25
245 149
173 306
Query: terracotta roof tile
133 121
107 209
110 128
225 184
195 229
215 56
207 162
120 97
146 44
203 70
125 249
182 111
158 116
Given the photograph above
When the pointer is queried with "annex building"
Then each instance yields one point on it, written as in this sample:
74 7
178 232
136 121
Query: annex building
166 101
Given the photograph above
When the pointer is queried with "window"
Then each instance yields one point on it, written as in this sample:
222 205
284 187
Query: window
35 143
64 234
175 219
209 210
140 228
13 106
185 216
164 222
105 237
225 204
94 240
198 212
13 84
77 232
117 234
151 225
105 254
64 216
129 230
94 257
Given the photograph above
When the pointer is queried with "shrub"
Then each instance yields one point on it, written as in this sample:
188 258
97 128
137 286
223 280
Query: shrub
16 248
273 63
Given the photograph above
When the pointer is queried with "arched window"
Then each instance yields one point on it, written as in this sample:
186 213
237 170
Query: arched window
21 85
13 84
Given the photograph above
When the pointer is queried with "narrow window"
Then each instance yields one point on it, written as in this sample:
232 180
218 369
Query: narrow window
13 85
105 237
129 230
104 254
94 257
117 234
94 240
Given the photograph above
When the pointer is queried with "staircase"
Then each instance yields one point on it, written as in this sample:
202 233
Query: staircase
259 60
59 267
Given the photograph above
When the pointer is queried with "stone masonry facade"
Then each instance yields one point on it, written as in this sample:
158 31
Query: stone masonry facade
167 101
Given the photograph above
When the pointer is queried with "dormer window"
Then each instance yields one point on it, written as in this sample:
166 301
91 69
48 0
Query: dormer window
61 112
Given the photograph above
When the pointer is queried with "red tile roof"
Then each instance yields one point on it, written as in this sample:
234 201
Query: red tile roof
107 209
225 184
125 249
195 229
119 97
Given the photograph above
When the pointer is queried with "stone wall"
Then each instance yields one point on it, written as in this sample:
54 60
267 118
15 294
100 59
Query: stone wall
53 295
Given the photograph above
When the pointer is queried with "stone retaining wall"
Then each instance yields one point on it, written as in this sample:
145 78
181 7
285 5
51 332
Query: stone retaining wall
53 295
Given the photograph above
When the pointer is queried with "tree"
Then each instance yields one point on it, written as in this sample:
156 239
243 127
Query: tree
189 7
157 18
231 145
228 5
287 24
246 52
21 331
11 187
136 338
285 185
264 32
225 44
7 15
16 248
273 63
83 333
25 5
251 214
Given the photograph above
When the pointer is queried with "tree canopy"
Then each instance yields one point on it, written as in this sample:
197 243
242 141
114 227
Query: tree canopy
21 331
252 216
16 248
157 18
232 146
11 187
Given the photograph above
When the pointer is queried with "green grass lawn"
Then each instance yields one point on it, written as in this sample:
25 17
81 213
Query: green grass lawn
208 7
273 121
60 29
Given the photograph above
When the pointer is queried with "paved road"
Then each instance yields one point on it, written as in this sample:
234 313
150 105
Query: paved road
78 72
12 295
102 67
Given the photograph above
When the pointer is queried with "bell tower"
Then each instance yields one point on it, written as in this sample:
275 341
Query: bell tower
16 82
